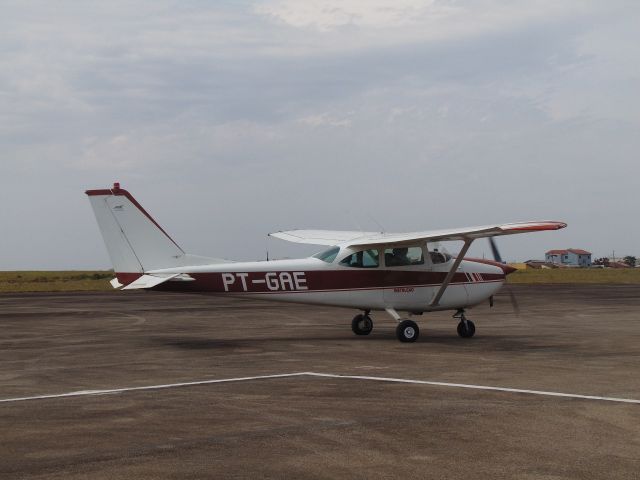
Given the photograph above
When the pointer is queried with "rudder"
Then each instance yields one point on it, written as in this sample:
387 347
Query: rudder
135 241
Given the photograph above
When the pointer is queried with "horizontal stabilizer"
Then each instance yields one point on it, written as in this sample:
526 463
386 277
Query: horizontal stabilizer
149 281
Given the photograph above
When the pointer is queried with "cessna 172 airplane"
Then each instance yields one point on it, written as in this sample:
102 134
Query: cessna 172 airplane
367 271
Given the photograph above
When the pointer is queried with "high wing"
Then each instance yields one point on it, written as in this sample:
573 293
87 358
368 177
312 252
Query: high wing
360 239
322 237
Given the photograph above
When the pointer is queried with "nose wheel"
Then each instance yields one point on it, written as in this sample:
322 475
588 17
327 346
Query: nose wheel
466 328
362 324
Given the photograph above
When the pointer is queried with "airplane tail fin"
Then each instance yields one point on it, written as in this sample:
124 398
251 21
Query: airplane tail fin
135 241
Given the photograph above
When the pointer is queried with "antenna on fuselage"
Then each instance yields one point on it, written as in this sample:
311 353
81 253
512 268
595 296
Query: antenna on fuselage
382 229
267 246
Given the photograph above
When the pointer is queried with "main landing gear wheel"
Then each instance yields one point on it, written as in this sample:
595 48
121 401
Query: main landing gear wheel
362 324
407 331
466 328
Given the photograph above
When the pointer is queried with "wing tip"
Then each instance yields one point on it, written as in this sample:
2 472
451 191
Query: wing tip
535 226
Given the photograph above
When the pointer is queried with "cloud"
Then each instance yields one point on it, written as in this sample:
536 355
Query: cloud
329 15
339 25
327 119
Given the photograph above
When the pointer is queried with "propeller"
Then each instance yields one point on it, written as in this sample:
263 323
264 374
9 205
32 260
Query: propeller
494 249
498 258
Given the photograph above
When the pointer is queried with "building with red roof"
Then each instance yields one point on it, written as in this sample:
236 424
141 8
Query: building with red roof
573 257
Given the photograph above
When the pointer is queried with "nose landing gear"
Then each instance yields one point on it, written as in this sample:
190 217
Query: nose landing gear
466 328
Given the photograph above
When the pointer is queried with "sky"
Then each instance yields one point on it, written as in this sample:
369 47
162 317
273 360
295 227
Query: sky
231 119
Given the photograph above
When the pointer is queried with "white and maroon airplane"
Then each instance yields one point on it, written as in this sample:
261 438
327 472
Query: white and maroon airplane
392 272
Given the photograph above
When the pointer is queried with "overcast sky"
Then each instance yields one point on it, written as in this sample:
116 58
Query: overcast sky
228 120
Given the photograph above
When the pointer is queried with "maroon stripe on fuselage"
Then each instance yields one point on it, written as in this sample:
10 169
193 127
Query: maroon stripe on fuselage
306 281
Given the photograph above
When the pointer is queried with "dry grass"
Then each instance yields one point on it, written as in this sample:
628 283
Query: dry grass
63 281
577 275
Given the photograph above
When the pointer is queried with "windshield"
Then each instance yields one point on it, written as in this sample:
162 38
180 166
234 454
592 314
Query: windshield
328 255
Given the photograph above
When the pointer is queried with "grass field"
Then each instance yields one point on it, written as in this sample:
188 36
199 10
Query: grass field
63 281
69 281
577 275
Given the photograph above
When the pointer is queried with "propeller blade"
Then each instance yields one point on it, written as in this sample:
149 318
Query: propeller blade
494 250
498 258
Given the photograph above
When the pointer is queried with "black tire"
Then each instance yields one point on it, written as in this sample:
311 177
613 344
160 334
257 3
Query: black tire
362 324
407 331
468 330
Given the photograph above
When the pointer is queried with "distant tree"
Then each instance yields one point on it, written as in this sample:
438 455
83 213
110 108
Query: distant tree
630 260
601 261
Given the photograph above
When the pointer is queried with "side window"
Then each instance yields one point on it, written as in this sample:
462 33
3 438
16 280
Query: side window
402 256
362 259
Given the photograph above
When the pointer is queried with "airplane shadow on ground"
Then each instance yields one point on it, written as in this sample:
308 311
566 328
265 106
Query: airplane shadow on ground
485 343
191 343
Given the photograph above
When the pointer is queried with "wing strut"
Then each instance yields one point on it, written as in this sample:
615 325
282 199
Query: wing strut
447 280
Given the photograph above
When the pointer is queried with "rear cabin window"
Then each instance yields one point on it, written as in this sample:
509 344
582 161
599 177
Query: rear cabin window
439 257
403 256
362 259
328 255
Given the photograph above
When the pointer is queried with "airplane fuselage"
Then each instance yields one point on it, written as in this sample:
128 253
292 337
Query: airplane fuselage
313 281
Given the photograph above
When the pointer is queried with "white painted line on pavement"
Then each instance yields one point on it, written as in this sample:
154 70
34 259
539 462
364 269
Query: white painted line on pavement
476 387
82 393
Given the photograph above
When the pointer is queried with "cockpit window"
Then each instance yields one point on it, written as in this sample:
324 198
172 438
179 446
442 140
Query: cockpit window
328 255
362 259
